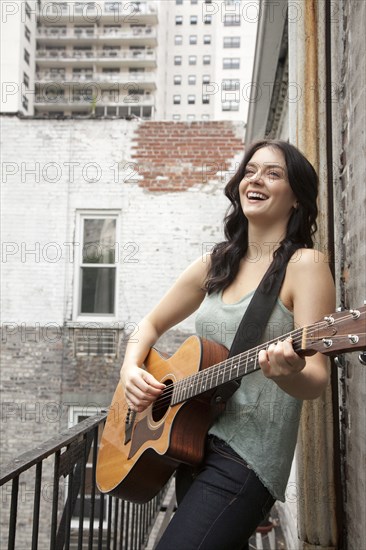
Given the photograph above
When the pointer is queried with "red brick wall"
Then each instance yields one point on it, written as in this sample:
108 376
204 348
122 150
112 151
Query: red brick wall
173 156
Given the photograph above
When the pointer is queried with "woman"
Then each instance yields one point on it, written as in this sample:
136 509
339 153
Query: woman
272 220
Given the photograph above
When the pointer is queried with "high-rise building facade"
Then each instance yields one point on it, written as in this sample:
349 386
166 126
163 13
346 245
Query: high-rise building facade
153 59
18 53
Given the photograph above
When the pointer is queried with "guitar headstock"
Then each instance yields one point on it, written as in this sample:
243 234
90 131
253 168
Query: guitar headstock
340 332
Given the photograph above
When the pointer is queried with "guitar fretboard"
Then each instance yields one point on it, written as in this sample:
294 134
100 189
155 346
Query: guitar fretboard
233 368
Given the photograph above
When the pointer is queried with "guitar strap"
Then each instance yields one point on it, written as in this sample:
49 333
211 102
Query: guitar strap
251 328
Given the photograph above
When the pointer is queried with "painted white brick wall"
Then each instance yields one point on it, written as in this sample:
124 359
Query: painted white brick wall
167 230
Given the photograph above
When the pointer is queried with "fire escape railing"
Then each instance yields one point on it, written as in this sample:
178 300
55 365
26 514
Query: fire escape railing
80 516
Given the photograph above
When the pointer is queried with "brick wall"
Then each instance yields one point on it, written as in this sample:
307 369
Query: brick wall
352 210
51 170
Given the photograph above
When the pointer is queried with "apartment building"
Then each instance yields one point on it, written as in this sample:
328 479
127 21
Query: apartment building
96 58
153 59
209 48
18 52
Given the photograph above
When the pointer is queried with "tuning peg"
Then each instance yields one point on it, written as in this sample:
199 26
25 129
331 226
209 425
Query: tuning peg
362 358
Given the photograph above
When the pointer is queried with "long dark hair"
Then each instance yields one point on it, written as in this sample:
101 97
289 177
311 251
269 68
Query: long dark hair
226 256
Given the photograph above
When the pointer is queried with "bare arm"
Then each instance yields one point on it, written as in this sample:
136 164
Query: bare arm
181 300
313 294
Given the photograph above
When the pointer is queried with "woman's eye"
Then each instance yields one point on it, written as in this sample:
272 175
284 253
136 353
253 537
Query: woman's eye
274 174
248 172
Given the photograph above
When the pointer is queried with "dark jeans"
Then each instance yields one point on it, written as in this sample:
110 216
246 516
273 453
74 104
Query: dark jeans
221 508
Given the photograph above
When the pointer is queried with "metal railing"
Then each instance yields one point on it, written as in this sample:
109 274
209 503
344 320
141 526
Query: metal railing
70 512
133 32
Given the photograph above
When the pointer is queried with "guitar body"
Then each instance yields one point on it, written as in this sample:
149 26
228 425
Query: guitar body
140 451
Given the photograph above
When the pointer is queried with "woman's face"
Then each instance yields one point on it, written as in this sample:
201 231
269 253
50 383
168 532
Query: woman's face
265 193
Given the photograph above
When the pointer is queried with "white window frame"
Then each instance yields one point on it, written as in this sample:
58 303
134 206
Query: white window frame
81 215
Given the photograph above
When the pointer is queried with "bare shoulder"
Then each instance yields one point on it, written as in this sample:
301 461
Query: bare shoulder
196 273
306 261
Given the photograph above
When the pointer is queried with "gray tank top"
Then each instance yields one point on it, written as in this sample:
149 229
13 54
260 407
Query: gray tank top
260 421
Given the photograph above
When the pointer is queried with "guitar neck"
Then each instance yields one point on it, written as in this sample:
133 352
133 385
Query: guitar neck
233 368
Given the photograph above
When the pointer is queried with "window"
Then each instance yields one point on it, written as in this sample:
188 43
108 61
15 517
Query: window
193 2
191 99
176 99
193 39
26 56
178 40
27 33
179 19
176 117
28 10
177 79
26 80
179 2
232 42
206 79
232 20
25 102
193 19
177 60
230 106
207 39
206 60
97 264
192 79
205 117
205 99
230 84
231 63
207 20
192 60
191 117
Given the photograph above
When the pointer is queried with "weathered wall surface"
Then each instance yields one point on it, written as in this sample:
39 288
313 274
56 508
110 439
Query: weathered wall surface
351 210
171 206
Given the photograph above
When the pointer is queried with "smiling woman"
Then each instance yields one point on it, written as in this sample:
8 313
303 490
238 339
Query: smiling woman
270 224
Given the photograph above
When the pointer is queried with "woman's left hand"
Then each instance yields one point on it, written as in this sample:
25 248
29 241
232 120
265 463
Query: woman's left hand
280 361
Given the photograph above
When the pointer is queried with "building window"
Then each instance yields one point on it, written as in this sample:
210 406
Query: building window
179 19
232 20
176 117
205 99
177 60
26 56
26 80
231 63
193 39
25 102
192 60
193 19
232 42
207 39
207 20
206 79
191 117
205 117
176 99
192 79
97 265
230 84
28 10
230 106
179 2
191 99
27 33
206 60
178 40
194 2
177 79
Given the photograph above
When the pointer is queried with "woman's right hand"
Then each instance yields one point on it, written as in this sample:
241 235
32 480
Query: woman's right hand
140 387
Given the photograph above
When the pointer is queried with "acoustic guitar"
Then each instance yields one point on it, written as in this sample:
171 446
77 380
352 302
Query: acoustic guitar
140 451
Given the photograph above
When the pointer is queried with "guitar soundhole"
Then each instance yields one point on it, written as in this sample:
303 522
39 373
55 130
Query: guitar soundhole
162 404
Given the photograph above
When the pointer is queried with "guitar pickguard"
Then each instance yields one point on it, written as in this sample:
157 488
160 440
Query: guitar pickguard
143 433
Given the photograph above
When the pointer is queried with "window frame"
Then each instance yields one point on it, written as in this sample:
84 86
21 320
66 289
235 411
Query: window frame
81 215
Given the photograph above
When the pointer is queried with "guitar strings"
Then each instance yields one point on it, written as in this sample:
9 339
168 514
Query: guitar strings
222 368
